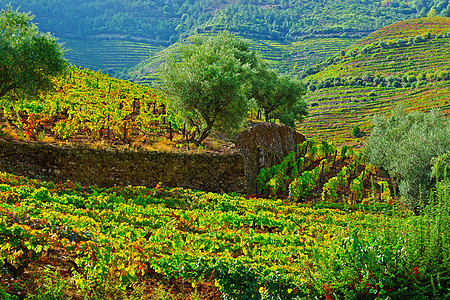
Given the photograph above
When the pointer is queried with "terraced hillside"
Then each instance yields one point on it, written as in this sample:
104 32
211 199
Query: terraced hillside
164 22
287 57
407 62
110 56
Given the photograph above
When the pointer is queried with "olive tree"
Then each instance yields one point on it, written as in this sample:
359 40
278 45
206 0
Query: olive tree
28 58
206 83
404 144
280 97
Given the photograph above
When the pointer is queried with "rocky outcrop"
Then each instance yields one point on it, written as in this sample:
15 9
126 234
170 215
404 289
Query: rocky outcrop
265 145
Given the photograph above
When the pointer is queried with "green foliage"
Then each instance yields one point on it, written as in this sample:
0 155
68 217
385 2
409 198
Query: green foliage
443 75
384 73
280 97
153 24
252 248
291 106
206 83
6 296
356 131
404 145
28 59
441 167
179 18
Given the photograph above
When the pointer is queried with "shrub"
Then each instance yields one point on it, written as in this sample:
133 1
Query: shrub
404 144
420 76
418 39
443 75
396 84
356 131
426 35
430 76
420 83
411 78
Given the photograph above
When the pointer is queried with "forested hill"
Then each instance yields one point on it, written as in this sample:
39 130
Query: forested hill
167 20
88 26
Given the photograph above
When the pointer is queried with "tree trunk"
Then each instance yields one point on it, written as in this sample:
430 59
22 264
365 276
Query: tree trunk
203 135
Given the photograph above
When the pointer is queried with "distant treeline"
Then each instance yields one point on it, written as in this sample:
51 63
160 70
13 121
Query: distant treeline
168 20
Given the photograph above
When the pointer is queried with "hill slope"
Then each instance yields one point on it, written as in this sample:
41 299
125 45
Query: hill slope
286 57
163 22
407 62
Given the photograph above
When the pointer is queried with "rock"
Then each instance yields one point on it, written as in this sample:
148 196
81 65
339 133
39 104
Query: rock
265 145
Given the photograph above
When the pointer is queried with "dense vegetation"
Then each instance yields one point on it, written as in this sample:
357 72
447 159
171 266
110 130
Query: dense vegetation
406 62
168 20
212 83
66 240
141 24
330 224
88 107
405 145
29 59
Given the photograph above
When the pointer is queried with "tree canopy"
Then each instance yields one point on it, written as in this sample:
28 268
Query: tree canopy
28 58
206 82
168 20
279 97
210 82
405 144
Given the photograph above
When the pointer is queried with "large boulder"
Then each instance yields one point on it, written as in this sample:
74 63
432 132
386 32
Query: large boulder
265 145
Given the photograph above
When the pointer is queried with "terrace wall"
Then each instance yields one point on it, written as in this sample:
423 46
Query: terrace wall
105 168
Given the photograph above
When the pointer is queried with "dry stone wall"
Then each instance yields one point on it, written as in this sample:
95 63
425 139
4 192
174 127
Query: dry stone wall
265 145
216 173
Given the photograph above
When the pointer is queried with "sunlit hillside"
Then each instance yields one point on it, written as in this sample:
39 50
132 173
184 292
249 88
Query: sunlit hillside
407 62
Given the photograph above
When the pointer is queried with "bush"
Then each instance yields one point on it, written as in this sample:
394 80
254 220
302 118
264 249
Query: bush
430 76
404 144
407 259
396 84
411 78
420 76
422 82
356 131
418 39
443 75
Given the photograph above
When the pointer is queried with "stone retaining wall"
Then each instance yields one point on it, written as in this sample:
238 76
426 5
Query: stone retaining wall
208 172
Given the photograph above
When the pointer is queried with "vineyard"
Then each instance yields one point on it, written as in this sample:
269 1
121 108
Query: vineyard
91 107
320 170
112 56
322 224
288 57
65 240
406 62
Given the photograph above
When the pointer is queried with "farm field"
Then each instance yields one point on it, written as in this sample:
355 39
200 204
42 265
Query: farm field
65 240
333 112
406 62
